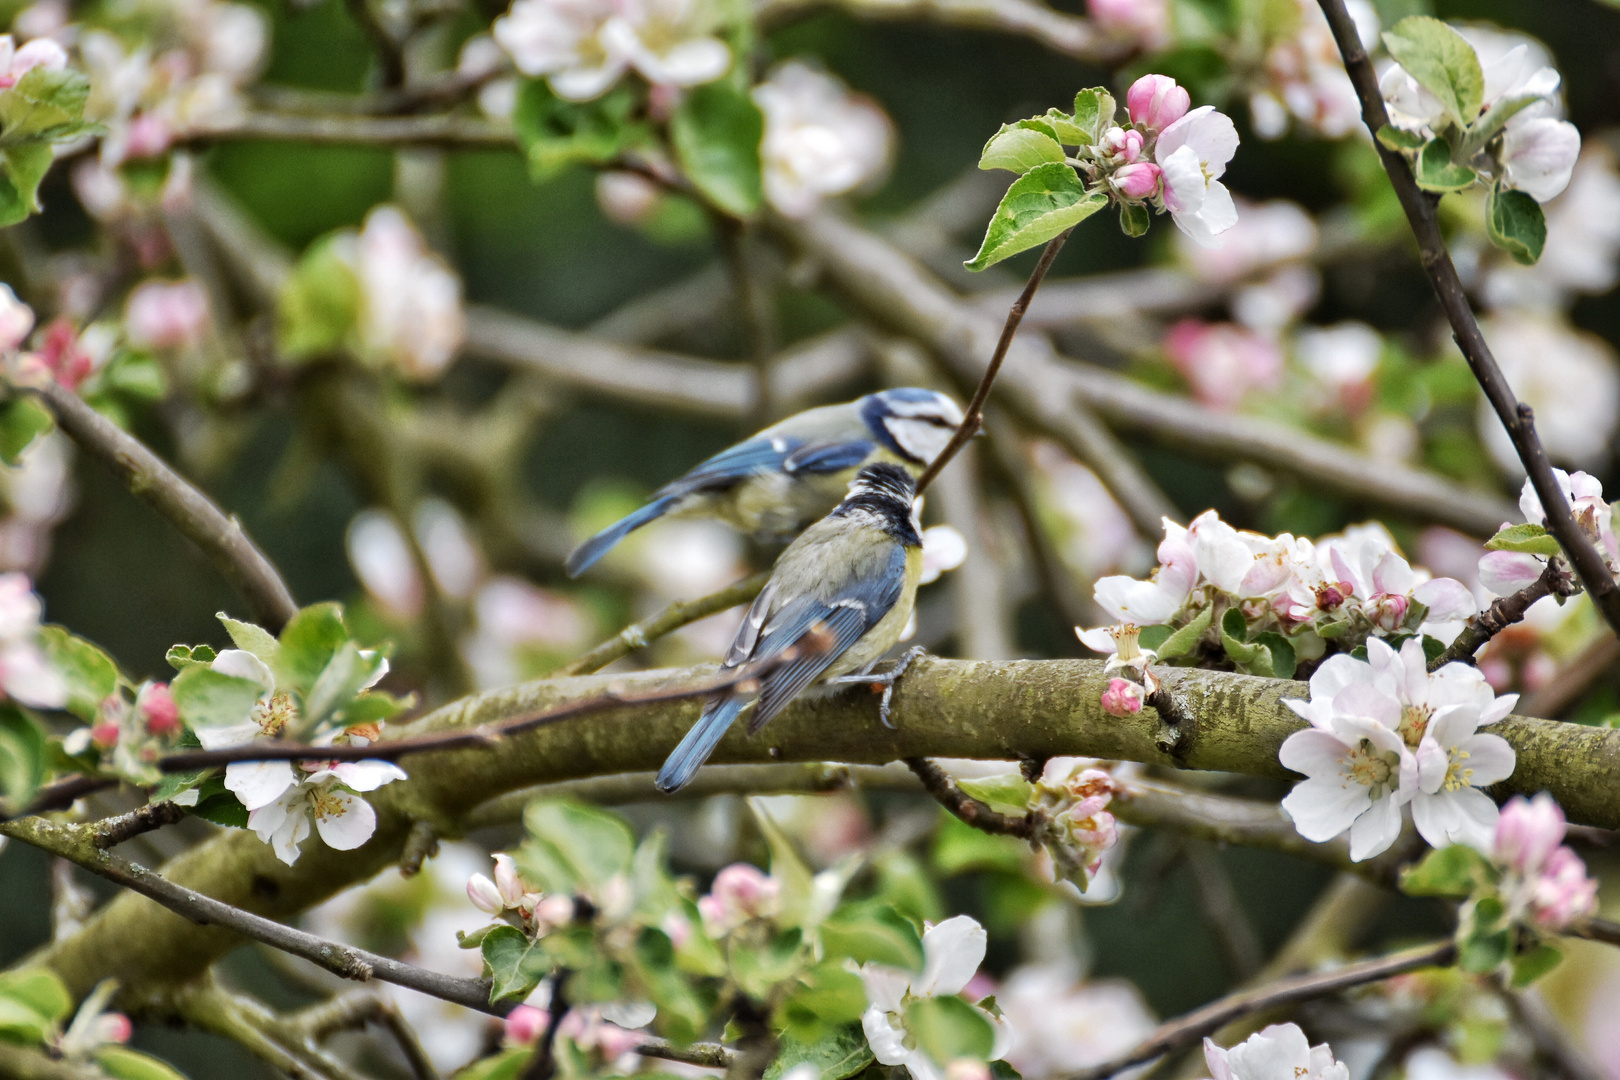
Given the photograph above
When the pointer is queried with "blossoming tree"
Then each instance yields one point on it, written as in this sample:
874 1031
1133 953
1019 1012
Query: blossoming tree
383 306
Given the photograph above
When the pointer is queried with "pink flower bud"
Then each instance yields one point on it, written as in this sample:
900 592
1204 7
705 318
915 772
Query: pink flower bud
627 198
167 315
113 1027
484 895
1563 893
1122 698
508 881
1387 610
1528 832
105 734
525 1023
1124 143
41 53
148 136
554 911
615 1041
156 703
1138 180
747 888
61 353
1156 102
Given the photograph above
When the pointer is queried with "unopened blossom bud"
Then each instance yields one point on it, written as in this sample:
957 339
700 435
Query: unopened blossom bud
1156 102
1122 698
678 928
1138 180
1528 832
741 892
1123 143
524 1024
626 198
507 880
550 911
1387 610
1563 893
166 315
113 1027
966 1069
149 135
105 734
484 895
157 705
16 319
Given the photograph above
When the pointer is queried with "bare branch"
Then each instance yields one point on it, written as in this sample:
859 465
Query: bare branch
1570 682
221 538
110 832
1188 1029
1504 612
1063 34
1515 415
938 783
640 635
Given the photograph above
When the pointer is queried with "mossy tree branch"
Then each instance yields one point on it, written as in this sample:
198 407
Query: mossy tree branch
943 708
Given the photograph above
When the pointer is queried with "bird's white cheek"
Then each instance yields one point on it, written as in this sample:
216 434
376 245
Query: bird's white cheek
918 438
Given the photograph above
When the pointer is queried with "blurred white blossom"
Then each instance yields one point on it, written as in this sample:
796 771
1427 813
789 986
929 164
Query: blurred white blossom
1583 242
1342 359
37 493
1094 533
1569 377
583 47
1061 1024
820 139
1305 78
410 299
166 314
1266 234
1223 362
26 675
1144 23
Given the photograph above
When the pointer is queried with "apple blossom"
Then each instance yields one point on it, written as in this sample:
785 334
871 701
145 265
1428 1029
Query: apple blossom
670 43
382 560
1278 1052
1506 572
1193 153
525 1024
1358 776
1122 697
1146 22
944 548
606 1029
1156 102
1454 760
1059 1023
1563 893
1071 797
326 793
411 316
1542 880
560 40
26 675
1305 78
820 139
16 62
1149 603
1137 180
484 895
1528 832
1343 358
167 315
1538 155
1223 363
952 953
740 893
156 706
16 319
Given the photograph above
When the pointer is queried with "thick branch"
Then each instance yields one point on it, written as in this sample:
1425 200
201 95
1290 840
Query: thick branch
1043 388
639 635
111 832
221 538
1188 1029
1503 613
942 708
1515 415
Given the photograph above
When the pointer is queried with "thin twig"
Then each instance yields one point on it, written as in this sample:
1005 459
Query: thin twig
1504 612
1605 930
389 53
450 131
1188 1029
1222 909
1572 680
640 635
1515 415
938 783
77 844
110 832
221 538
973 418
62 794
488 734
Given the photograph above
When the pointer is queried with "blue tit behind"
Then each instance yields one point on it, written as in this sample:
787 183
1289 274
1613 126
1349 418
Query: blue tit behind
792 473
851 576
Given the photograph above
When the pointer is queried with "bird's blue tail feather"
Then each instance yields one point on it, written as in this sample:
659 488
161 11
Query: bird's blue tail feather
585 556
699 743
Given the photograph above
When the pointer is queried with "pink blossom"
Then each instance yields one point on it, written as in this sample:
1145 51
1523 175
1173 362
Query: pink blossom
113 1027
1138 180
1123 143
1148 21
1156 102
167 315
105 734
1528 832
507 881
678 928
553 911
61 354
740 892
1223 361
615 1041
1122 698
156 703
148 136
525 1024
1387 610
484 895
1563 893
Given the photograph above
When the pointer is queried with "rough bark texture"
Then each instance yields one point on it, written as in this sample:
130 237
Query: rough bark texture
944 708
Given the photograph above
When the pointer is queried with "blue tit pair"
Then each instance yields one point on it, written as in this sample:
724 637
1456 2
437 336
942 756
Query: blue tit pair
844 591
792 473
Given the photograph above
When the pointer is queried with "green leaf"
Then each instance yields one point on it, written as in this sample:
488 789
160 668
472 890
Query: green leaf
43 105
1533 963
319 306
374 706
122 1063
1154 637
208 698
873 932
1435 171
959 847
821 1001
90 673
1395 139
839 1054
1094 111
1484 953
1251 657
1516 224
683 1011
339 682
904 881
181 657
1442 62
308 643
506 1065
1186 639
1064 128
135 375
32 1002
22 167
1021 147
515 964
947 1028
1046 201
760 968
716 133
1282 653
222 807
556 134
1452 871
1134 219
22 419
1527 537
253 639
571 845
796 900
1007 792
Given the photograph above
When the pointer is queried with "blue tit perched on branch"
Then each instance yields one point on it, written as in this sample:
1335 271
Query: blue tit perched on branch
848 583
792 473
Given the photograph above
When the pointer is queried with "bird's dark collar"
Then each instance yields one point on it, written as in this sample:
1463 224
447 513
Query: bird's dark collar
890 516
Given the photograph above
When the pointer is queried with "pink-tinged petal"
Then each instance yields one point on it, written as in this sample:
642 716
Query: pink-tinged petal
1376 830
952 952
1215 1058
1506 572
1499 709
1446 598
1100 640
1392 574
349 822
1491 758
259 783
1210 134
1313 752
1324 807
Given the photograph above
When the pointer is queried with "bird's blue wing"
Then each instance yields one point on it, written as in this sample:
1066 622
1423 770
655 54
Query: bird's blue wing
735 464
827 457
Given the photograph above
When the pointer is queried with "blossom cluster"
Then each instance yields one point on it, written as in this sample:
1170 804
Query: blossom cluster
1386 733
582 48
1505 571
1172 155
1070 800
1542 879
